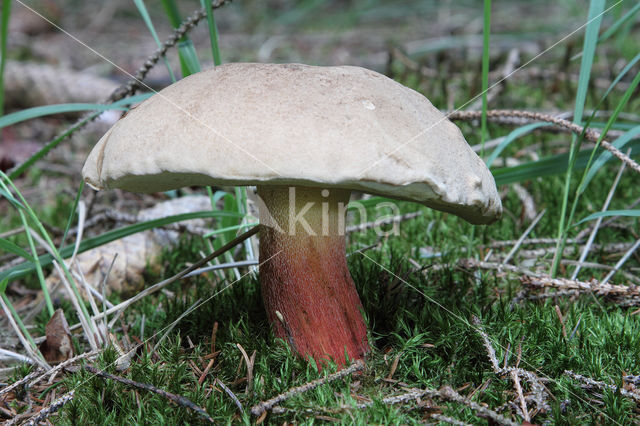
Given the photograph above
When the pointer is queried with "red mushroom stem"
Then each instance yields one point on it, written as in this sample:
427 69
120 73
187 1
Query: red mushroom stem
308 293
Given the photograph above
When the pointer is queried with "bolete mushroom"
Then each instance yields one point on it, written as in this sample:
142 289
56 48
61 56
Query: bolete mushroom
306 136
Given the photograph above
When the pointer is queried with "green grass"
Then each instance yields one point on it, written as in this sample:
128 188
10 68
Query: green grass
4 36
422 318
435 342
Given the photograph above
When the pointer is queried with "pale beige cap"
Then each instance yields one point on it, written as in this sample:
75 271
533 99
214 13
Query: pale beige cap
292 124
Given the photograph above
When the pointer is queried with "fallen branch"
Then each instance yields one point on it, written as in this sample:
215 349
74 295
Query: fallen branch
178 399
411 394
540 393
592 286
634 380
533 241
262 407
231 395
447 392
523 404
471 263
20 382
448 420
589 134
51 409
51 373
627 294
589 383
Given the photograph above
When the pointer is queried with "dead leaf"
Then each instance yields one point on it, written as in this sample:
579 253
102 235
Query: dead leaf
58 346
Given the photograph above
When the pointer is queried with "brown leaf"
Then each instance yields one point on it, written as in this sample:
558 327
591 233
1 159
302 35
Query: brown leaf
58 346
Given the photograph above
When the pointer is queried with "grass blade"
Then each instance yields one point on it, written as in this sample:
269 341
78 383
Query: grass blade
590 42
515 134
147 20
621 141
49 146
10 198
606 155
213 32
21 207
10 247
188 58
230 228
54 143
89 243
616 25
486 33
623 102
41 111
4 35
549 166
36 262
47 243
171 10
72 214
609 213
608 126
30 344
189 63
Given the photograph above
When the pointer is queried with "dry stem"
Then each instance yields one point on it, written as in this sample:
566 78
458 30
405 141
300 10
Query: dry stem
589 134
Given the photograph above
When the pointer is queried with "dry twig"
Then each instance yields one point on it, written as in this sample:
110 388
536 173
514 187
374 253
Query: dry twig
33 352
592 286
588 382
51 409
262 407
634 380
178 399
589 134
629 295
528 204
523 236
449 393
528 241
51 373
20 382
249 361
412 394
539 390
523 403
231 395
448 420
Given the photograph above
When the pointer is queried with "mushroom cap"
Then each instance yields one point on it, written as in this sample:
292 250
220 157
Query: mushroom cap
290 124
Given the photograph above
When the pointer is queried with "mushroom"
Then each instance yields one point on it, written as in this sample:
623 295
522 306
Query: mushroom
306 136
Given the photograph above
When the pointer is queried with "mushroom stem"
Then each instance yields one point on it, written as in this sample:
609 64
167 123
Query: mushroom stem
310 298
